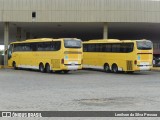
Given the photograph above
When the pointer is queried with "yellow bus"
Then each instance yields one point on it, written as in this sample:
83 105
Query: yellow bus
118 55
46 54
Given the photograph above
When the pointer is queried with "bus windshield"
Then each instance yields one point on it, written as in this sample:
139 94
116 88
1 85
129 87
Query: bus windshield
144 45
72 44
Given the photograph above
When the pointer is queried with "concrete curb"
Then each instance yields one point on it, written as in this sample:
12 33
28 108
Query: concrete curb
2 66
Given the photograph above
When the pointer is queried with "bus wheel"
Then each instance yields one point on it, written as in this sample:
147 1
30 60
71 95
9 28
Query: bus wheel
58 71
47 68
65 71
41 67
114 68
106 67
14 65
130 72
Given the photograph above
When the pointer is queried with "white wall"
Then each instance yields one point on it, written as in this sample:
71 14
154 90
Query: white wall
80 10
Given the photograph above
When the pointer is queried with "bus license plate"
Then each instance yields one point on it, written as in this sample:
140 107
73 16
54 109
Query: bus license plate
72 64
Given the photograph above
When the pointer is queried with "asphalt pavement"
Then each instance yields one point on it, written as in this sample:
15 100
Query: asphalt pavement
82 90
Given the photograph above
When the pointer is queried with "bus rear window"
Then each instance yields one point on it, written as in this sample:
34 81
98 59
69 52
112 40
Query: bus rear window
144 45
72 44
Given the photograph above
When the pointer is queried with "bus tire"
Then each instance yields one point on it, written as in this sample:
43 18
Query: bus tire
14 65
65 71
114 68
106 67
41 67
47 68
130 72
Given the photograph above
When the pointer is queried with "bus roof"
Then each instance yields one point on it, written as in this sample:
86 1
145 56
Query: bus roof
44 39
111 41
40 39
101 40
36 40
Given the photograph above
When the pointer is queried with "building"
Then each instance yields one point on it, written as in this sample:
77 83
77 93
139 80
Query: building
85 19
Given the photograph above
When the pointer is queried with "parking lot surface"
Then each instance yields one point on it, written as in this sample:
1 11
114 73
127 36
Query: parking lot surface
79 90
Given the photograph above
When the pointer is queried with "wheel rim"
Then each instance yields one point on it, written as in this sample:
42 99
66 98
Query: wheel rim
106 68
115 69
41 68
48 68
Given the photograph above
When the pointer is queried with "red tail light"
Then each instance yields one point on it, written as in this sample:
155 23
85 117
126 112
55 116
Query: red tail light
62 61
135 62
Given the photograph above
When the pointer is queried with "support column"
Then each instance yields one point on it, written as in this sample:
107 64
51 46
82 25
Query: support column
6 39
105 30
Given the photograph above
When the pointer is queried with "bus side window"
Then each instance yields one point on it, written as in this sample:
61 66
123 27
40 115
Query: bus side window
28 47
57 45
108 48
52 46
123 48
97 48
33 47
85 49
100 48
18 47
47 46
126 47
39 46
115 47
91 48
129 47
15 48
103 48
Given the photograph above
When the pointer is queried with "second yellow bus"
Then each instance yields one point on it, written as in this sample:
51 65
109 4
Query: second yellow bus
118 55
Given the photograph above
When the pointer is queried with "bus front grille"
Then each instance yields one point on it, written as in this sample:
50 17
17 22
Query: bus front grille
129 65
55 63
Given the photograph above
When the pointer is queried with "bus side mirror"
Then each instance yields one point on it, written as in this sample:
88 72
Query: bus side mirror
6 51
